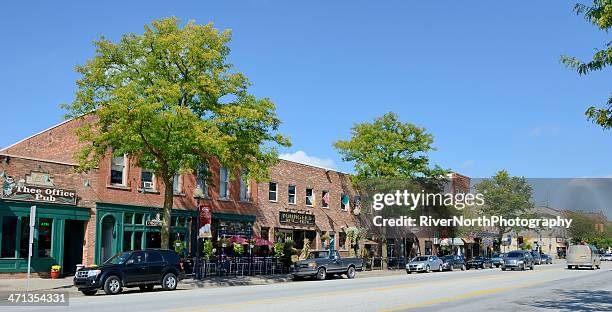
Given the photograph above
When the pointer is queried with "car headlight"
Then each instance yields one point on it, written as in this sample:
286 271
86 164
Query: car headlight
312 265
91 273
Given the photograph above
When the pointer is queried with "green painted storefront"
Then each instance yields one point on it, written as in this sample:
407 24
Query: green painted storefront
56 237
125 227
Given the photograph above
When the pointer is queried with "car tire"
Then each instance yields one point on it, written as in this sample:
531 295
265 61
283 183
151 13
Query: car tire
350 273
169 281
408 272
503 269
569 267
427 269
146 287
112 285
321 274
89 292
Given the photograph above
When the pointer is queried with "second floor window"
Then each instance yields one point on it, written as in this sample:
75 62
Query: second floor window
272 193
177 184
118 170
309 197
325 199
245 189
224 183
344 202
201 183
148 179
291 194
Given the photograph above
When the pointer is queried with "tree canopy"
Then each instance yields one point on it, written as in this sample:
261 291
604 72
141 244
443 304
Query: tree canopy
388 147
170 99
506 196
600 15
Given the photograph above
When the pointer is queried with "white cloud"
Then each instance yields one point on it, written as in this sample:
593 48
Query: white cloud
543 131
302 157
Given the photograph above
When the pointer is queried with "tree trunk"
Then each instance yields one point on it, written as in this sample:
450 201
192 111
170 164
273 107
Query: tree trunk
168 201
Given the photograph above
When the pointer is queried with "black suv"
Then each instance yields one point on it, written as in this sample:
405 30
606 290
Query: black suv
139 268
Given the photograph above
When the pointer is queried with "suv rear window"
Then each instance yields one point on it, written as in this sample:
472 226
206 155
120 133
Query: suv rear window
170 256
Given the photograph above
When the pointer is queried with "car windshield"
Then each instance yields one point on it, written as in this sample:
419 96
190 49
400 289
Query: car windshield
514 254
119 258
420 259
318 254
497 255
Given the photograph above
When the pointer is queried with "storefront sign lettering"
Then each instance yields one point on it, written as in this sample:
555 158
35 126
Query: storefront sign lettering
296 218
34 193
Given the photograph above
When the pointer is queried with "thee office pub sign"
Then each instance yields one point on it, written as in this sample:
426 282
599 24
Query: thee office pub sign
35 193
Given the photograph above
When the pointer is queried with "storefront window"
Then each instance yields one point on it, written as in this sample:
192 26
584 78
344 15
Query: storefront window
342 240
45 231
181 222
128 218
127 240
9 237
153 240
25 237
137 240
138 218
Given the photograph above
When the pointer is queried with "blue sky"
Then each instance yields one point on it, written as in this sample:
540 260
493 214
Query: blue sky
483 78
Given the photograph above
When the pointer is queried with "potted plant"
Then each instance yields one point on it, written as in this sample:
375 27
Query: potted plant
208 249
224 242
55 271
238 249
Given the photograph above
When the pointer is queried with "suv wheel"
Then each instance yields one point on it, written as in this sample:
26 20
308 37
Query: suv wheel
169 282
350 273
89 292
321 274
112 285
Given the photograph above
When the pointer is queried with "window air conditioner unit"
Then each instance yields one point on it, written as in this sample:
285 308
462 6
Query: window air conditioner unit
147 185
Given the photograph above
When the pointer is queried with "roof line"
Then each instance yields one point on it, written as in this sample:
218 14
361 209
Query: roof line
37 134
309 165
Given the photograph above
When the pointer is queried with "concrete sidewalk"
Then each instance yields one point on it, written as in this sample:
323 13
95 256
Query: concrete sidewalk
65 284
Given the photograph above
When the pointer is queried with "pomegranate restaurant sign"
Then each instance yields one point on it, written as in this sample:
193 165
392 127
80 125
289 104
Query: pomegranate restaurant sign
296 218
42 194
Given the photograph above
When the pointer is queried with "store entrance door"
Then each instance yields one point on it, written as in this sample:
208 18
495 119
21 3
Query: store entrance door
74 234
108 238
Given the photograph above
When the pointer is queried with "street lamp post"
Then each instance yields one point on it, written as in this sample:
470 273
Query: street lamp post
198 264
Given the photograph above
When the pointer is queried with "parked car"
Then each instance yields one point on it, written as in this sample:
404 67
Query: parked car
546 259
536 258
606 257
424 264
582 255
479 263
141 268
518 259
497 259
451 263
320 264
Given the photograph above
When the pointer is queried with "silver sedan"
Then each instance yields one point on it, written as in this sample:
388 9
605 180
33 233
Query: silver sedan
424 264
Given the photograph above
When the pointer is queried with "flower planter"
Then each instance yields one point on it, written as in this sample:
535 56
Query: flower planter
55 274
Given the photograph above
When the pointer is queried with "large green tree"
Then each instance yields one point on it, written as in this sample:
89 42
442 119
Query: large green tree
600 15
506 196
170 100
388 147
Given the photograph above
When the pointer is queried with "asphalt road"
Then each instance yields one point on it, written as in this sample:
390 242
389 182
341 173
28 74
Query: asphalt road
547 288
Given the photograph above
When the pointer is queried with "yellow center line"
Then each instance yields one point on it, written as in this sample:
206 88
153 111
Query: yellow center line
242 304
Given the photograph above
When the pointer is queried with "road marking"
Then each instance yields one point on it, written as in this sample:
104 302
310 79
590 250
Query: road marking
243 304
459 297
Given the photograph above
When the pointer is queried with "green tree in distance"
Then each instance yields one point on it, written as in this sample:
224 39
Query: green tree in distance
600 15
388 147
505 196
170 100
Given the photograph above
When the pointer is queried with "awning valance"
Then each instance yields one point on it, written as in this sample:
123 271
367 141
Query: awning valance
451 242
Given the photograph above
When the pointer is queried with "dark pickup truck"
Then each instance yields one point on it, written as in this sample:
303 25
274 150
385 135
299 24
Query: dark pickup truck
321 264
